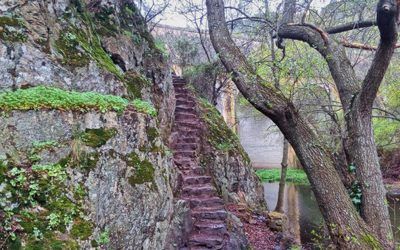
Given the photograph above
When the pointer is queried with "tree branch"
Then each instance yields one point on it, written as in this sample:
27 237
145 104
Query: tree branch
387 24
361 46
351 26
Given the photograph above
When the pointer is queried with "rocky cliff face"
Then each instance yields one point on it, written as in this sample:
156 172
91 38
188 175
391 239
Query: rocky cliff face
83 170
86 105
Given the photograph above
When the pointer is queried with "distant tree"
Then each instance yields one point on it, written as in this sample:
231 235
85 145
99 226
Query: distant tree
152 11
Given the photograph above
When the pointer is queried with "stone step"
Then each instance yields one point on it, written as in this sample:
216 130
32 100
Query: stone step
178 82
185 162
209 213
201 190
185 102
186 116
211 226
181 90
189 153
188 110
183 97
196 179
182 159
185 106
188 124
177 79
188 132
188 140
184 165
192 171
182 131
206 240
186 146
196 202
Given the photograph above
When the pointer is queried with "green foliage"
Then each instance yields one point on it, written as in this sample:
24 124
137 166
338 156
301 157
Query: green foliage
293 175
35 199
355 194
144 107
386 126
53 98
162 47
186 51
42 97
104 237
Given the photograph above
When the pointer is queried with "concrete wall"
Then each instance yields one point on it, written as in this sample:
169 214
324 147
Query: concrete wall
260 138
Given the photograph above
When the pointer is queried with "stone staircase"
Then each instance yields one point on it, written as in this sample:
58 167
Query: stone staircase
208 212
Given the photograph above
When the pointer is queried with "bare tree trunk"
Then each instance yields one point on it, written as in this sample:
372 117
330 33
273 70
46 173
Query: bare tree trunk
282 182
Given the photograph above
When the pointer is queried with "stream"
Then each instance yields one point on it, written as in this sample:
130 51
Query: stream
304 216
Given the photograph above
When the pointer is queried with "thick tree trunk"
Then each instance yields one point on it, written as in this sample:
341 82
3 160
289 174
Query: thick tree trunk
363 153
282 182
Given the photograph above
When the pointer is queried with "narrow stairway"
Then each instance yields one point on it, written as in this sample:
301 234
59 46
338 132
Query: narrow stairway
208 212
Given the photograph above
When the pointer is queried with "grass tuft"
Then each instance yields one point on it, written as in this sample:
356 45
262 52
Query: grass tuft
297 176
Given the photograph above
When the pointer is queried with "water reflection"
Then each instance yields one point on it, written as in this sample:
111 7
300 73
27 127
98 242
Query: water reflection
303 214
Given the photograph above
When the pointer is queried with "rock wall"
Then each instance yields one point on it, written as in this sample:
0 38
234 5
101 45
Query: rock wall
75 174
227 161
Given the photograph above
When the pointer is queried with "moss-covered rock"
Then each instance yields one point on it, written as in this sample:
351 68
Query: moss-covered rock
82 229
220 135
44 187
152 133
105 22
12 29
74 55
143 170
97 137
135 82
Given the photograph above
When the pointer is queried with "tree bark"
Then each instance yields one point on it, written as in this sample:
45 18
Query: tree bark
282 182
346 227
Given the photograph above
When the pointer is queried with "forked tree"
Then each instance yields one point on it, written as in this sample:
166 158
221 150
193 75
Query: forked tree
349 229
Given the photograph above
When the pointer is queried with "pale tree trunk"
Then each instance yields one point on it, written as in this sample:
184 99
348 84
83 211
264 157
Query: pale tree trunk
282 182
347 228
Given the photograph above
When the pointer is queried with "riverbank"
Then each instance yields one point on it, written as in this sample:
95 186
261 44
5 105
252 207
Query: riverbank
294 175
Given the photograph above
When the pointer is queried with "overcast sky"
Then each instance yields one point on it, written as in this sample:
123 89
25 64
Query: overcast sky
173 18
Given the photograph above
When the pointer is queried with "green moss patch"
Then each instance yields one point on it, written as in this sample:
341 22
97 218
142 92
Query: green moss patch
143 170
97 137
78 46
152 133
12 29
135 82
297 176
105 23
82 229
42 97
